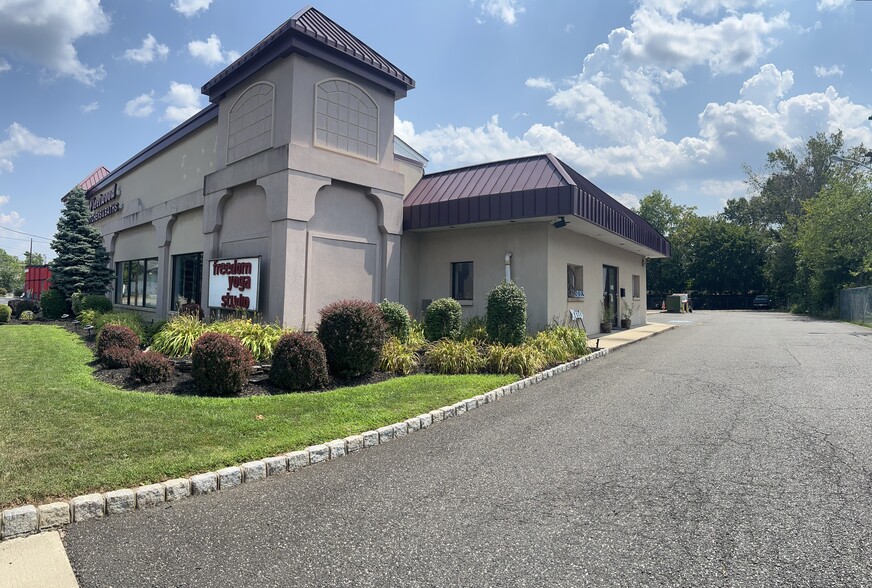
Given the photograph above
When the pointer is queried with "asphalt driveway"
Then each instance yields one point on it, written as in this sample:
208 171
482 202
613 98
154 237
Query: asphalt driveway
735 451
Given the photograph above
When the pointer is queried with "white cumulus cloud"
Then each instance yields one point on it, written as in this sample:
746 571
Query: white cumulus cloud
4 65
183 101
210 52
44 32
22 140
504 10
148 51
826 72
11 218
141 106
90 107
767 85
539 83
824 5
191 7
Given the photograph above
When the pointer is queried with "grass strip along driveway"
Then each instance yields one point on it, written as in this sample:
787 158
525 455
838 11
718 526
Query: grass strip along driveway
63 433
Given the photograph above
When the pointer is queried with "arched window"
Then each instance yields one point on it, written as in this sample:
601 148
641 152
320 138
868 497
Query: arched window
346 119
251 122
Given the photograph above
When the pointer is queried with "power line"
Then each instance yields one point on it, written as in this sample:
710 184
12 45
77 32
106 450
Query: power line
23 233
4 237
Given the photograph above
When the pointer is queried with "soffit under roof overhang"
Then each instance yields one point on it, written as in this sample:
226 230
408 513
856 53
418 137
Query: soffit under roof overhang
540 188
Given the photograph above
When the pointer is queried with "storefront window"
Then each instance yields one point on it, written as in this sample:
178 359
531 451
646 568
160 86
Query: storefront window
137 283
187 277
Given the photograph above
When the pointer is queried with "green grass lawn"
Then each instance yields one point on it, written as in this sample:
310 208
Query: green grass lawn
63 433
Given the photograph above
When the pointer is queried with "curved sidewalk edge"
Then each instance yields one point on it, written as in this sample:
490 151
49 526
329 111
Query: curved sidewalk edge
27 520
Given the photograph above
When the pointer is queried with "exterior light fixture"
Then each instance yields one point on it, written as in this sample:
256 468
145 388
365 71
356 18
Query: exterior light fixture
840 159
559 223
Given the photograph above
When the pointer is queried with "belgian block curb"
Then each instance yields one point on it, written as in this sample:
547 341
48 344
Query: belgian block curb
28 519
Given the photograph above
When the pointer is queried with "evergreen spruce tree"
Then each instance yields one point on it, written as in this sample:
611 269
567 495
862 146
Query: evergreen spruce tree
81 263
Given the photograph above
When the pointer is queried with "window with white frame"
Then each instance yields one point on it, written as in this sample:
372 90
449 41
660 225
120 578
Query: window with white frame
461 280
637 287
574 281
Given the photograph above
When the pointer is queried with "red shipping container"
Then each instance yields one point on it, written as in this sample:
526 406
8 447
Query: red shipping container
36 280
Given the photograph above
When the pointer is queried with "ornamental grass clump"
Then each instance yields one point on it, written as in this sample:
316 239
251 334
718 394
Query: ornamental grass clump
258 338
453 357
523 360
177 337
397 319
112 335
131 320
442 319
151 367
574 339
400 358
353 333
220 364
299 363
554 348
506 314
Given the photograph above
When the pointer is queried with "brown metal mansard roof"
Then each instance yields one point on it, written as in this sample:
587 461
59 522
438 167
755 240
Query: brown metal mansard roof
523 188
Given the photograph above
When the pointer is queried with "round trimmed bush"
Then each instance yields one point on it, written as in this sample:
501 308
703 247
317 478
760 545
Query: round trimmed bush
151 367
506 314
299 363
352 332
2 291
116 336
397 319
117 357
26 316
97 302
442 319
220 364
5 313
53 304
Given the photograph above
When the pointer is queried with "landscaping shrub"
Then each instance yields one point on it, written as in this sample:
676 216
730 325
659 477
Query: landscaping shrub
575 339
150 331
474 328
116 336
151 367
117 357
2 291
18 292
97 302
299 363
5 313
177 337
554 348
442 319
523 360
26 316
506 314
76 302
220 364
53 304
399 358
20 305
353 333
87 317
131 320
258 338
397 319
453 357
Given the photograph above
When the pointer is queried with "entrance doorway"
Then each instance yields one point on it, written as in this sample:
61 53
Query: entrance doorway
610 292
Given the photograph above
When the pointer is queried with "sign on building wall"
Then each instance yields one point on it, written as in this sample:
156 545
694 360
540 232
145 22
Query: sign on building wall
102 205
233 283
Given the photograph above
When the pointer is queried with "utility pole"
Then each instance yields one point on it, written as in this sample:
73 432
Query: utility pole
30 256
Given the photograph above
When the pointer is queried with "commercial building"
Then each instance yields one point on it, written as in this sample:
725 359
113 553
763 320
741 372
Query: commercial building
290 191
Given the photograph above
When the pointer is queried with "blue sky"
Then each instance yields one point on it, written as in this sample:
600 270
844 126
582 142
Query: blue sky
637 95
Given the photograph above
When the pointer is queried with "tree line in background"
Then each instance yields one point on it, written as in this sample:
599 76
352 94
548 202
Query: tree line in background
803 233
12 269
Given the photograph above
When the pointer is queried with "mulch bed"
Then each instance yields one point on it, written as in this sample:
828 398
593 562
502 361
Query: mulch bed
182 382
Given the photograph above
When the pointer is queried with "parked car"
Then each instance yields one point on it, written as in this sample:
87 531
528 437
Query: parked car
762 301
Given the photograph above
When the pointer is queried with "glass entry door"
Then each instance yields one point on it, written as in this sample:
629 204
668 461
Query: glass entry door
610 292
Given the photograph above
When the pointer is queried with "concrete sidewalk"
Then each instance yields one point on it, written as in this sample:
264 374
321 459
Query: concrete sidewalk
40 560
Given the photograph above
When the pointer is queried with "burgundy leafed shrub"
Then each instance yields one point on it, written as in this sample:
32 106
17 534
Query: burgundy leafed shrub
151 367
116 336
352 332
117 357
299 363
220 364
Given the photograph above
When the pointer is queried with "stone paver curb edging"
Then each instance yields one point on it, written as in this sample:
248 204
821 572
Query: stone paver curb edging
26 520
